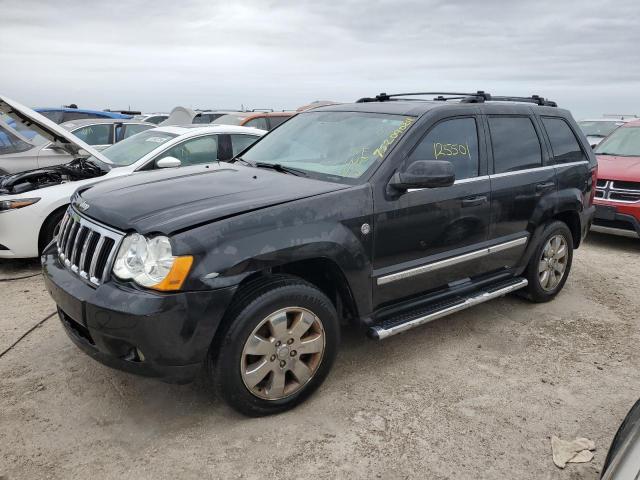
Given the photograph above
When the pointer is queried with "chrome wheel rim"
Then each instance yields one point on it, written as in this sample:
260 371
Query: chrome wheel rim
283 353
553 262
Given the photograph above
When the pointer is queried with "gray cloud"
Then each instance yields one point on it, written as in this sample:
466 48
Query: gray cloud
281 54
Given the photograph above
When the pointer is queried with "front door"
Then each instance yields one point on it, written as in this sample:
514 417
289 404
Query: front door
426 238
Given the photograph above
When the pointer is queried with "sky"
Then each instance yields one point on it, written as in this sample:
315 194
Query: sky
152 56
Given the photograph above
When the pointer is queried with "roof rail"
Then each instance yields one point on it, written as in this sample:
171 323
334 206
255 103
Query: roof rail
479 97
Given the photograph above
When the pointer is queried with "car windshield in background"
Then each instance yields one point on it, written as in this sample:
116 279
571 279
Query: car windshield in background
132 149
229 120
598 129
340 146
624 142
10 143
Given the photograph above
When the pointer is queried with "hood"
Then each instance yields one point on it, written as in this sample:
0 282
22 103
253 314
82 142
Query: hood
612 167
170 200
179 116
50 130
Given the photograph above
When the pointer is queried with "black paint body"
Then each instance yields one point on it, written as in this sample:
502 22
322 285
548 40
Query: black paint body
239 222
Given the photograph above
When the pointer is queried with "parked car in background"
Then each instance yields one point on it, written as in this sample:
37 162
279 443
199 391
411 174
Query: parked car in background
618 192
261 120
596 129
187 116
20 153
384 213
32 203
154 118
65 114
623 458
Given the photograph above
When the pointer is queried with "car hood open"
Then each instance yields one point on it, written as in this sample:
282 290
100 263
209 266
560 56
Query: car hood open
43 126
171 200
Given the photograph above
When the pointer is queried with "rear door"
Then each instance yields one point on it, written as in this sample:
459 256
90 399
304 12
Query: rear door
522 181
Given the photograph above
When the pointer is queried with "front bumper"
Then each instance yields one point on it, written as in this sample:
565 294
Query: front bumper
19 230
616 220
147 333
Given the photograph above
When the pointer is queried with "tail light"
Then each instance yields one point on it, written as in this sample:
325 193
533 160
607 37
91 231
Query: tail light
594 183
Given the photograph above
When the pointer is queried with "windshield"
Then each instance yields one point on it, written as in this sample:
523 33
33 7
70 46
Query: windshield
340 146
132 149
624 142
598 129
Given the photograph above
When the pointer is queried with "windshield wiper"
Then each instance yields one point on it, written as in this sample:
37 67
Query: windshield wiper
278 167
240 159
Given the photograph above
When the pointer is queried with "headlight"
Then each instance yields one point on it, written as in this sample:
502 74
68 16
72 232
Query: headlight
150 263
17 203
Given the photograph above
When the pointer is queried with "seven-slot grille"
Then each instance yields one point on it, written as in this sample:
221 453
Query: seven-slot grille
618 191
86 248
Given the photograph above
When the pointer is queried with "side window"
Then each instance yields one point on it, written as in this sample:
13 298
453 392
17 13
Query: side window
95 134
260 122
132 129
240 142
515 144
275 121
454 140
563 141
195 151
68 116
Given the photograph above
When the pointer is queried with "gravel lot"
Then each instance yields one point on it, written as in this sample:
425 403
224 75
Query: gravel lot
474 395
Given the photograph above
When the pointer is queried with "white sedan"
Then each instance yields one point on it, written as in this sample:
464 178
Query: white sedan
32 203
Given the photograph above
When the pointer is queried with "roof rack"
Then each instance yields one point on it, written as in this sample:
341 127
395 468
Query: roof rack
479 97
124 112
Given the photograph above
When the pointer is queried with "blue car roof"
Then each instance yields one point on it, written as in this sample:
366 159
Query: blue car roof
97 113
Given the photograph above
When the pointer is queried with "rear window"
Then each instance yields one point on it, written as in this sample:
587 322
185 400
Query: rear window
564 144
275 121
515 144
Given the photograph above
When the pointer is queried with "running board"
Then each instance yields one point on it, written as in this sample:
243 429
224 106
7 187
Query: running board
394 326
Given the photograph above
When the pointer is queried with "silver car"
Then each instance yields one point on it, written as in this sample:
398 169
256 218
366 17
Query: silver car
23 149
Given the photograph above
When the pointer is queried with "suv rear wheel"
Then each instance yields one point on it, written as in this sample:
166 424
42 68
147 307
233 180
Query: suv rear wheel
280 344
549 266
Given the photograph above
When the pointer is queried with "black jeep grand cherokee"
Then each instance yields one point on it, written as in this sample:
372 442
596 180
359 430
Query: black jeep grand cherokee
388 213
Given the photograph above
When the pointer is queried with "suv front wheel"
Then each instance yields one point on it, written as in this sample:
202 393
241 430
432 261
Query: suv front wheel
550 264
281 340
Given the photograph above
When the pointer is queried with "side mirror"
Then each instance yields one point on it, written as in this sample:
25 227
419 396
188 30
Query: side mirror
424 174
168 162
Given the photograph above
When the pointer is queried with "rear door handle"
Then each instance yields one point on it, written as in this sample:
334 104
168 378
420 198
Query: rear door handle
474 201
544 187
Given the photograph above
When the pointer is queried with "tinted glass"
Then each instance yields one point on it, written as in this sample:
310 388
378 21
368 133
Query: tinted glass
195 151
515 144
132 149
53 116
275 121
455 141
563 142
337 146
78 116
260 122
624 142
240 142
132 129
95 134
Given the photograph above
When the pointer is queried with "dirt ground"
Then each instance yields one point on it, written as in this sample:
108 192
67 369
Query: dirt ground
474 395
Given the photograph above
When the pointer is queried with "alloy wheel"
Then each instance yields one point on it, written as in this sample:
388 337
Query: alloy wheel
282 353
553 262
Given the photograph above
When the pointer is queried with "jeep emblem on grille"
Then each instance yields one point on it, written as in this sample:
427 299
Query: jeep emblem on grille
83 205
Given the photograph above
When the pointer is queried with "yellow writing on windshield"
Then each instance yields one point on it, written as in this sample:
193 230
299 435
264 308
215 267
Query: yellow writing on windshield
384 146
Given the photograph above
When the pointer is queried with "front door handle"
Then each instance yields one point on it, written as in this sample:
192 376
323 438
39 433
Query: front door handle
474 201
545 187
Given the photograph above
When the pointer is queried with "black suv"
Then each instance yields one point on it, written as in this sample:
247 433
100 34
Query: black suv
387 213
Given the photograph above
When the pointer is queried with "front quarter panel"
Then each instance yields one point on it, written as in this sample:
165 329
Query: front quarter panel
324 226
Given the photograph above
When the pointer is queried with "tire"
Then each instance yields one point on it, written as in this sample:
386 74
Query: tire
543 288
268 375
49 228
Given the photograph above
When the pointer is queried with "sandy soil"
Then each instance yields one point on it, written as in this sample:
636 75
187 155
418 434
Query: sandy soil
474 395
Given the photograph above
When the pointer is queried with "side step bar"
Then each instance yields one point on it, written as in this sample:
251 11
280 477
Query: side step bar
389 328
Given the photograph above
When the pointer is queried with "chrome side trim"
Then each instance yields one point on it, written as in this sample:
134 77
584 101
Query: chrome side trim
615 231
526 170
381 333
447 262
570 164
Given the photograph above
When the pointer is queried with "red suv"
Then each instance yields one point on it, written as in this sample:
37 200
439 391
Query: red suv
618 192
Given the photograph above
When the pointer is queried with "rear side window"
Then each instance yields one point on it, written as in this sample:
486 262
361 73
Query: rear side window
195 151
133 128
260 122
564 144
516 145
275 121
455 141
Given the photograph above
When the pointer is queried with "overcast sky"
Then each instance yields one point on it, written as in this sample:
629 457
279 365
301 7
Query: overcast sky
152 56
